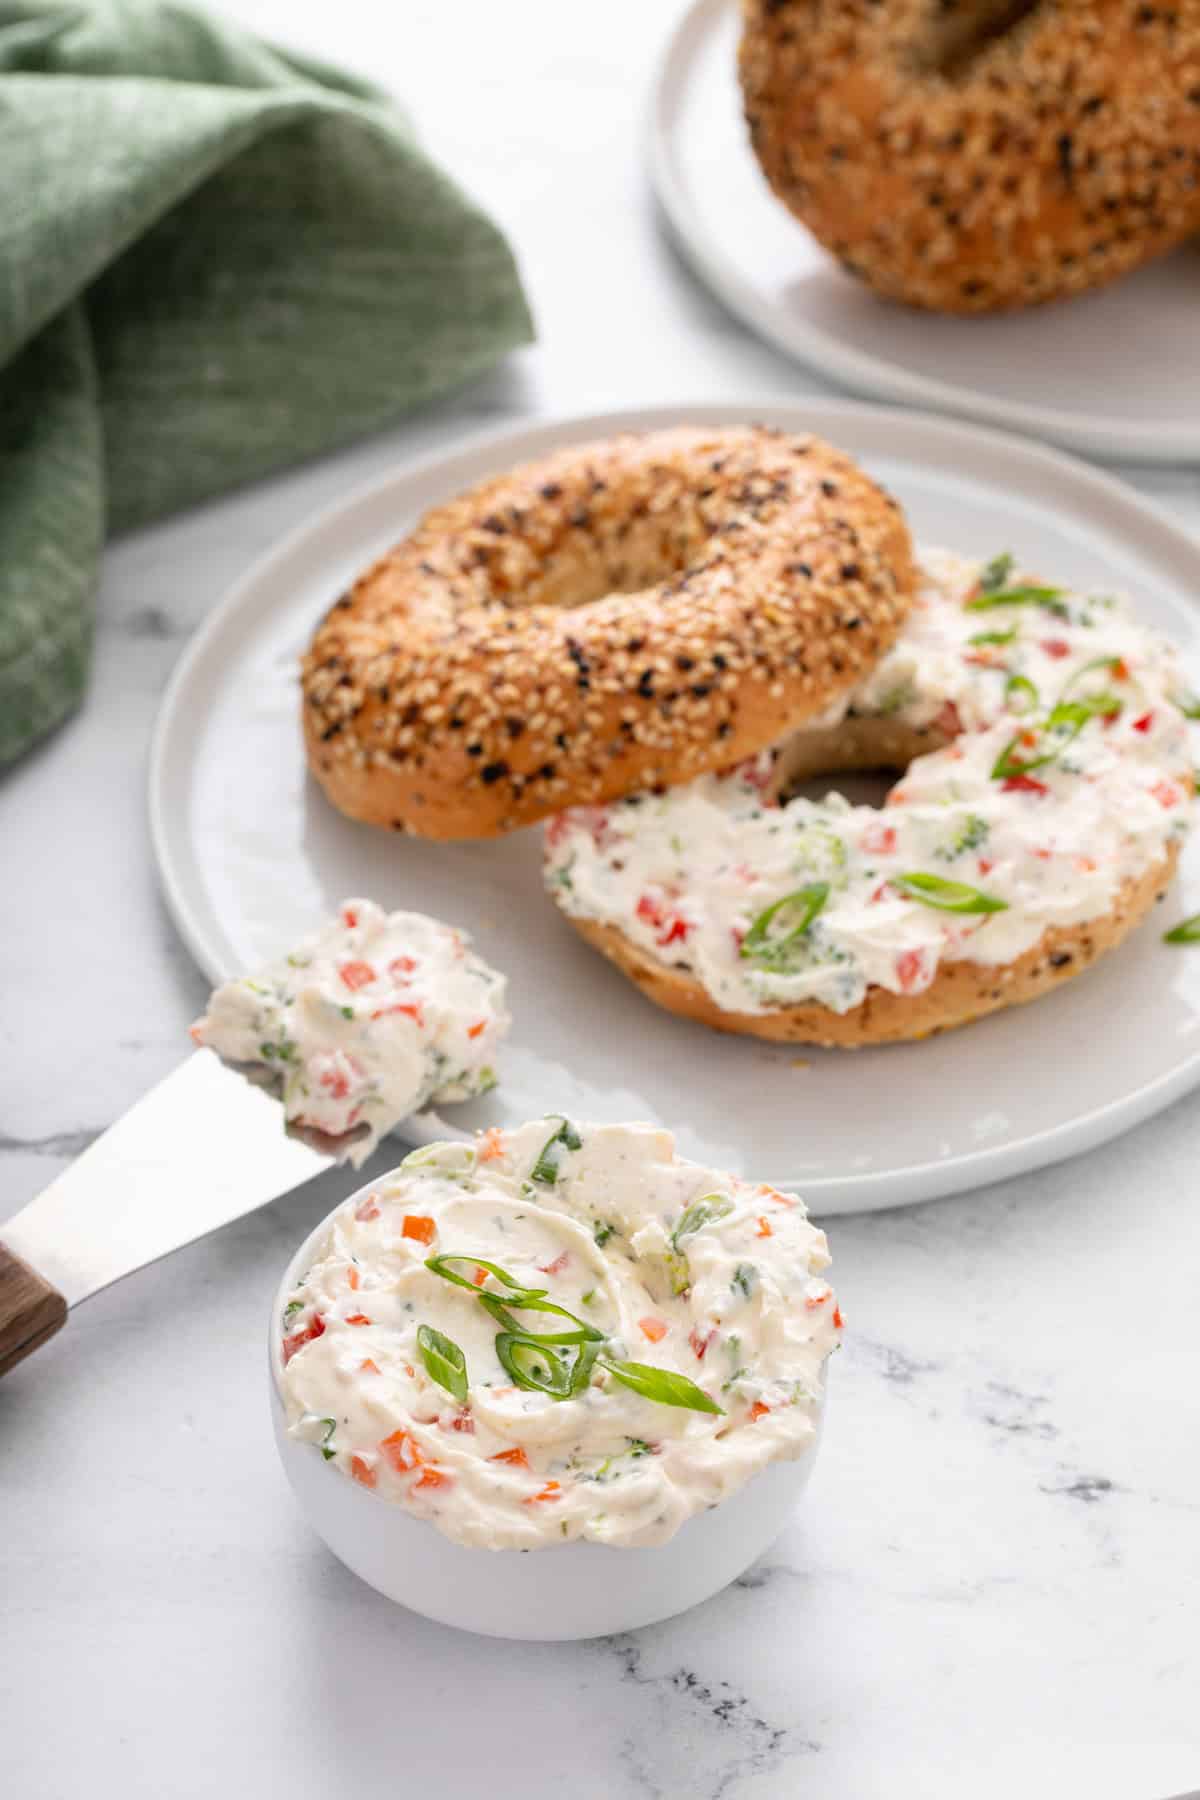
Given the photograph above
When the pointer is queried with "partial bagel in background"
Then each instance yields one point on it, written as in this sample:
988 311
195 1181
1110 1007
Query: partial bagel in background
618 615
973 155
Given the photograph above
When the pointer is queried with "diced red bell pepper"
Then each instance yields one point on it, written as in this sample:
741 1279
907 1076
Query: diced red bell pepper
356 975
305 1335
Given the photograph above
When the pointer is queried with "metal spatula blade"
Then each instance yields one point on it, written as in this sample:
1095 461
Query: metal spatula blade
203 1147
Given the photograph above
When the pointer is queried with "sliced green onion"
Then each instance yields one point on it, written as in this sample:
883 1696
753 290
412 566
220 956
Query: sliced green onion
498 1306
1187 702
330 1427
947 896
996 572
745 1278
766 940
679 1270
994 637
702 1212
536 1368
1019 687
602 1231
1186 932
663 1385
1067 720
1049 597
440 1266
585 1364
291 1309
1098 662
546 1168
444 1361
430 1156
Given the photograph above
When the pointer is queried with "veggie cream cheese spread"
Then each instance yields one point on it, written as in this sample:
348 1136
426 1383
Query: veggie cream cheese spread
370 1019
1069 772
564 1332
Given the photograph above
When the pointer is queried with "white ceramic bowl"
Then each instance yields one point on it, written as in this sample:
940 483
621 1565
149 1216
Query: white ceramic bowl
576 1590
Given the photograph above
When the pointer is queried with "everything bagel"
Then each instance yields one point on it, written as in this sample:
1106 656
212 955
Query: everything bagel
1046 790
969 155
620 615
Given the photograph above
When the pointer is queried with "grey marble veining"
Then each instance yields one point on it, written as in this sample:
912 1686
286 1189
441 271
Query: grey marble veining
991 1587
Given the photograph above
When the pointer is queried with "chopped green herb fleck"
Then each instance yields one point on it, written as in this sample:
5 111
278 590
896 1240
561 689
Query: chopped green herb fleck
546 1168
705 1211
996 572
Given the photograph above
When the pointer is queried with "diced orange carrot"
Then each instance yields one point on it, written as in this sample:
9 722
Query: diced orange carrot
474 1030
359 1318
417 1226
410 1010
551 1491
516 1457
480 1276
654 1329
369 1366
402 1452
362 1471
356 975
352 1276
764 1228
837 1317
774 1194
491 1144
758 1410
433 1478
812 1301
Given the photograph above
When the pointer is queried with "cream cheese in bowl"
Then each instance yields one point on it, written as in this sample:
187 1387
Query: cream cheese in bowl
564 1336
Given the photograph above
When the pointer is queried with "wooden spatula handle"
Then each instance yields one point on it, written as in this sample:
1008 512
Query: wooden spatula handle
30 1310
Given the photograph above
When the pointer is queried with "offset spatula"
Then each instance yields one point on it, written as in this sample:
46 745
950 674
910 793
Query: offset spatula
200 1149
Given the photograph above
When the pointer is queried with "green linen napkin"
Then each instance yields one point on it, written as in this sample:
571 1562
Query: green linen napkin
215 259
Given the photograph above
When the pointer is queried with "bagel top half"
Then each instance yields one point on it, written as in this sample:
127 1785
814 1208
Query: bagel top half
619 615
972 155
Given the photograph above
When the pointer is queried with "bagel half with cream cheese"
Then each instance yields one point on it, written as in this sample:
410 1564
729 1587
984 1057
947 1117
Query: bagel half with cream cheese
1046 788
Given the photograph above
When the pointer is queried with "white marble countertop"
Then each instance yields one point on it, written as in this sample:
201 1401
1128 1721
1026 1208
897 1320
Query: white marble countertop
991 1588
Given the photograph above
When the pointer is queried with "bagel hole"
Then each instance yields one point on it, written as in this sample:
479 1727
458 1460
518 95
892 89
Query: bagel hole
959 32
862 758
861 787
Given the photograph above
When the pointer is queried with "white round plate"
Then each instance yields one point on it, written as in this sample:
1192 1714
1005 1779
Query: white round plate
1114 374
252 856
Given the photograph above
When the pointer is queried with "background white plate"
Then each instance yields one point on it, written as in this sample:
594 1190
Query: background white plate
1115 374
251 855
